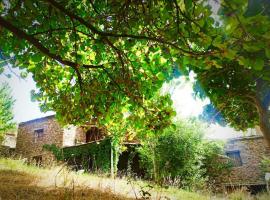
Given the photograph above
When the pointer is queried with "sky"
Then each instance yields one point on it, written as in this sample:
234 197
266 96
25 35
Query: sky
24 108
180 90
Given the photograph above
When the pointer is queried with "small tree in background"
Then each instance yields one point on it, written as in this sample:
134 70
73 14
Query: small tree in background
6 114
180 156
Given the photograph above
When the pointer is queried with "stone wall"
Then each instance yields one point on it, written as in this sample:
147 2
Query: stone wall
252 149
69 136
30 146
7 147
10 139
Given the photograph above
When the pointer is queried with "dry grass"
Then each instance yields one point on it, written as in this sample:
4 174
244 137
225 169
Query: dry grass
23 182
27 182
18 185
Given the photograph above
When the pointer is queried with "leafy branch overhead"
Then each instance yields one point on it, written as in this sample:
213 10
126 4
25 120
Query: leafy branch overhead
93 56
107 58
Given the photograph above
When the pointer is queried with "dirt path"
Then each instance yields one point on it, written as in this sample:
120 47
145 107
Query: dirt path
16 185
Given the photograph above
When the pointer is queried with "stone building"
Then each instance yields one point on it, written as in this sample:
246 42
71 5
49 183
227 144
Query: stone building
245 154
34 134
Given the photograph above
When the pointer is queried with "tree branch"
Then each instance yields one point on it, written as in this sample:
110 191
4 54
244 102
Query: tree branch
35 42
52 30
109 34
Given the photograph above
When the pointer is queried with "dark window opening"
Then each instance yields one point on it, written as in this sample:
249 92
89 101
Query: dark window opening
38 133
235 158
93 134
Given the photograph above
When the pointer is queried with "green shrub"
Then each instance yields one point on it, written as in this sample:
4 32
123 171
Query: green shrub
96 152
213 164
180 156
56 151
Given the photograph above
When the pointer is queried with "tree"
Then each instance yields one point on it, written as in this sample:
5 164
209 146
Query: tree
99 57
240 90
6 114
96 58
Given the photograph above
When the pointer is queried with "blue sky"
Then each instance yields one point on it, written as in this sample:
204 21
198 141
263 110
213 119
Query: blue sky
24 108
180 89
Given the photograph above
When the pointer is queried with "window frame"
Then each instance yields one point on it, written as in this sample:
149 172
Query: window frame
38 133
235 157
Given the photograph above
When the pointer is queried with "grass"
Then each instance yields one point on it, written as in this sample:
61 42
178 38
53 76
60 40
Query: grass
27 182
18 185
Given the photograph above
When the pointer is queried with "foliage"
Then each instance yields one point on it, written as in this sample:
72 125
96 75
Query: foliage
100 58
231 94
239 86
97 59
6 113
56 151
212 160
93 156
265 164
180 155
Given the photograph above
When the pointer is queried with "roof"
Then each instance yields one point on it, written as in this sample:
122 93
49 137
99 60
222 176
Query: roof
37 120
252 137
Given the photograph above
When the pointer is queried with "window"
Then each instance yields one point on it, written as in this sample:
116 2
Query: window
235 158
93 134
38 133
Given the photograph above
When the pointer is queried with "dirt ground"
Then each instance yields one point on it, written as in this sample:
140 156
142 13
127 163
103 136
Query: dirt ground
16 185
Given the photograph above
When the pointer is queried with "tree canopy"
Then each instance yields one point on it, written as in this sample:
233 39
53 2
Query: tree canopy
6 112
240 90
106 58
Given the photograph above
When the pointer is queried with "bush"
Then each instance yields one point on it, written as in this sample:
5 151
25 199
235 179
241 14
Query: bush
180 156
93 156
213 163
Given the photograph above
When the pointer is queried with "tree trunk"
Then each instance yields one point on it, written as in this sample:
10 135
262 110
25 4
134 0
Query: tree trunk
264 120
155 170
112 161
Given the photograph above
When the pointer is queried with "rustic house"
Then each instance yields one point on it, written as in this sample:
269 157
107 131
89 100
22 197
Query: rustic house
83 147
34 134
245 154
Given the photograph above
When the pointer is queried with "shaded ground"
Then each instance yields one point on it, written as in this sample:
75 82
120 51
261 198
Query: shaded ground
21 186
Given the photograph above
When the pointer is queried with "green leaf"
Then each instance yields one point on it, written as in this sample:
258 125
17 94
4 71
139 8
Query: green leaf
267 52
258 64
160 76
188 5
251 47
23 74
36 58
254 8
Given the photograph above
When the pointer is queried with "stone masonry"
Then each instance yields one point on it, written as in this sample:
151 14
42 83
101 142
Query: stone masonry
32 135
251 150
